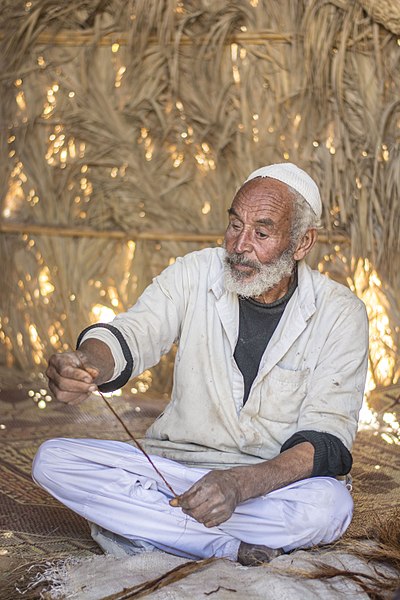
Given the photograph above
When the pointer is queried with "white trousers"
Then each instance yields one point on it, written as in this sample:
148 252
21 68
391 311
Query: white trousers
113 485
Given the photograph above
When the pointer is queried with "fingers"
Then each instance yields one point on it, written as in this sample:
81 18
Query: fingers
213 520
209 501
73 365
213 487
195 496
209 515
209 518
70 377
72 398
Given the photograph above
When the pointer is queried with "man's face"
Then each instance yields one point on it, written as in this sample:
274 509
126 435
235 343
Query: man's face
257 239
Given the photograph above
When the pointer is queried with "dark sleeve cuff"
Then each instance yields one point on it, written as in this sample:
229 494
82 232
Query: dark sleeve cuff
125 375
331 457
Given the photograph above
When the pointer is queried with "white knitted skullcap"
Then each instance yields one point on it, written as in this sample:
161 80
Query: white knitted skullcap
297 179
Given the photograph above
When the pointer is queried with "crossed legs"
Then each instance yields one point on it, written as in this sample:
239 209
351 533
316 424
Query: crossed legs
113 485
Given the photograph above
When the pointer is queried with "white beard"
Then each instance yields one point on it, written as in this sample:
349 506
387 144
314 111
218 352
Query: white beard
265 278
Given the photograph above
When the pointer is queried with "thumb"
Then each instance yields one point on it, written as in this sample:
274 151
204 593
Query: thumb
93 372
86 365
174 501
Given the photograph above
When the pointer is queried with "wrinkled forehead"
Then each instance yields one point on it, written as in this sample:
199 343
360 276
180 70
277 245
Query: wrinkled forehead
264 195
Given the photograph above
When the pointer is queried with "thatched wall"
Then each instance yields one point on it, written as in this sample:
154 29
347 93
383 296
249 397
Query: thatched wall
127 126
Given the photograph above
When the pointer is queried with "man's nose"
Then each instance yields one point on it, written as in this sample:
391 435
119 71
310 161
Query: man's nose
243 242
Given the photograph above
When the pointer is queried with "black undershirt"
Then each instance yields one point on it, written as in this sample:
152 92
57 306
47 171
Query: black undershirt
257 323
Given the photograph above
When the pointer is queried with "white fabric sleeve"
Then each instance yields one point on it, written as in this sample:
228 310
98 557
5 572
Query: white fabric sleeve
106 336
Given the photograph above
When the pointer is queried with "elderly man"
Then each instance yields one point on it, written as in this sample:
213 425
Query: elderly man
268 384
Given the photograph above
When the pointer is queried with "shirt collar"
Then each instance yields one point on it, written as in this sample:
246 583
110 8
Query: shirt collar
306 292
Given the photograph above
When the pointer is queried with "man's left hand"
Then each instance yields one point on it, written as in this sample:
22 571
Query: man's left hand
212 499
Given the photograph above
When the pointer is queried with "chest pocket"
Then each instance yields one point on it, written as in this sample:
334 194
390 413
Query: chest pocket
281 394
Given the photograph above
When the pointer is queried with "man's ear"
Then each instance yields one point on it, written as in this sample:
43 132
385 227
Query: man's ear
306 244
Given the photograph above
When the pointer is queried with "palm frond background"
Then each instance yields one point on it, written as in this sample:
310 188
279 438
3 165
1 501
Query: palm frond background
143 117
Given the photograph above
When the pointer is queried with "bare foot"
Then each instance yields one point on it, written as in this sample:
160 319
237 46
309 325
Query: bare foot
253 555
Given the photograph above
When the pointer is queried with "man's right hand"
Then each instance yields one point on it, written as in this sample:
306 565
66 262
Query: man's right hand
71 377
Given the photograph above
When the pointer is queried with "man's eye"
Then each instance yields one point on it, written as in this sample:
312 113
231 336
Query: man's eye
261 234
235 226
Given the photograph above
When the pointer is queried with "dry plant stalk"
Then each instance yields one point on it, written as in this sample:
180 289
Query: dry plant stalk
143 589
175 500
154 130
